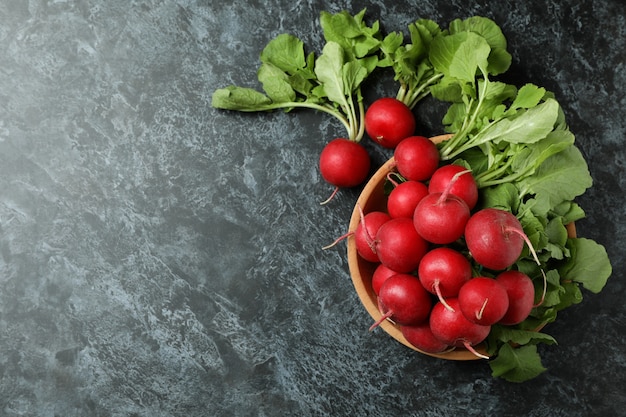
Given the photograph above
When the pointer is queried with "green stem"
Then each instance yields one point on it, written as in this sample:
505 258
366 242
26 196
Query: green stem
508 178
401 95
303 104
361 130
453 149
417 94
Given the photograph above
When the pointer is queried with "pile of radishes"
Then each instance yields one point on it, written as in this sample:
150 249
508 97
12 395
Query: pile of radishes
431 248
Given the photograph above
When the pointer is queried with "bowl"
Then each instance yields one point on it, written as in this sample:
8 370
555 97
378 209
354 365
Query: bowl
373 198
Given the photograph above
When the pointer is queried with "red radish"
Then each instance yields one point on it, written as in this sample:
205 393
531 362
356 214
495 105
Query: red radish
405 196
365 234
344 163
452 328
495 238
380 275
521 292
423 338
416 158
443 271
388 121
483 300
440 217
464 186
399 246
403 300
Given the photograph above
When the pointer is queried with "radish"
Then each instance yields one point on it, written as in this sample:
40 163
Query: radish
403 300
440 217
452 328
495 238
416 158
521 293
399 246
388 121
422 337
405 196
380 275
343 163
483 300
443 271
464 187
365 233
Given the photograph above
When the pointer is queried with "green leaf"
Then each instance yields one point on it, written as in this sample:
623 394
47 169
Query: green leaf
448 89
499 59
532 157
569 211
353 73
521 337
275 83
329 71
529 95
504 196
571 295
351 32
589 264
556 232
285 52
554 290
530 126
239 98
460 55
561 177
517 364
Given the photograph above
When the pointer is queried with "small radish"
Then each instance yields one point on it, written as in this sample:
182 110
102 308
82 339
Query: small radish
452 328
495 238
464 187
423 338
440 217
521 292
380 275
399 246
388 121
443 271
483 300
343 163
416 158
403 300
365 233
405 196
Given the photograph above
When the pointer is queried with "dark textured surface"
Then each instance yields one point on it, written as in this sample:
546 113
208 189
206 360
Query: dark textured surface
162 258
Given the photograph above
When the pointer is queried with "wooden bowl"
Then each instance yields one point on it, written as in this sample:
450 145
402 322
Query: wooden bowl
373 198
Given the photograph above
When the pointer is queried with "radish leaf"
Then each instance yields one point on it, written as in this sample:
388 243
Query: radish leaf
589 264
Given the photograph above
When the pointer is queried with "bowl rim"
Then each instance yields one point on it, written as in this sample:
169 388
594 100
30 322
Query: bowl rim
358 267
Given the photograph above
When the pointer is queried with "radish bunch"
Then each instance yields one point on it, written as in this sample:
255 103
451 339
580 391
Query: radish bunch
443 269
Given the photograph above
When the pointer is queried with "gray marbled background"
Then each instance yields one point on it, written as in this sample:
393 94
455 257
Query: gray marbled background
162 258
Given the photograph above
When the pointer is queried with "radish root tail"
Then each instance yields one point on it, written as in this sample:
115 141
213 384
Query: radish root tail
448 189
536 258
469 347
380 320
441 298
339 239
479 314
334 193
